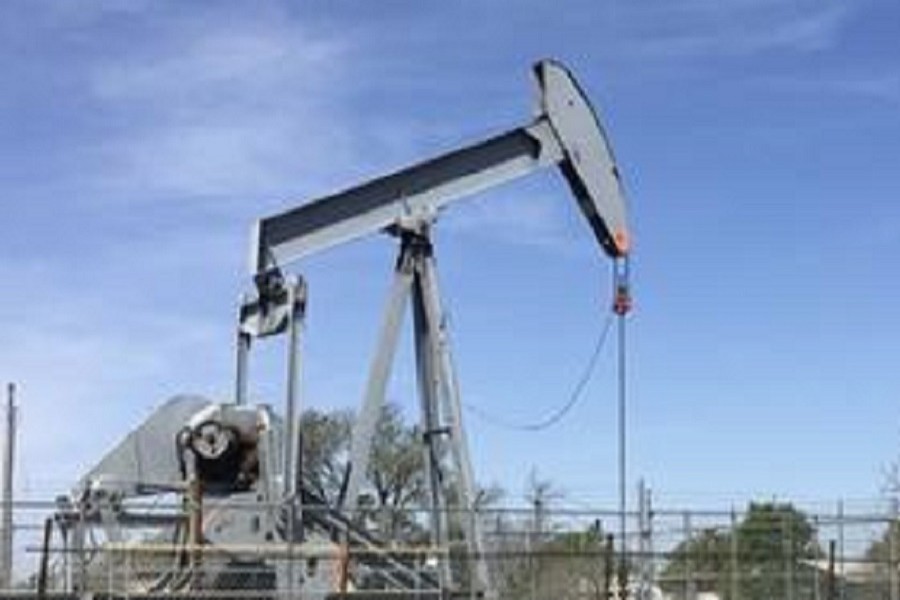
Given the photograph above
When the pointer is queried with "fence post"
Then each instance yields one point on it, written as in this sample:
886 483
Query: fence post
195 521
111 558
608 566
892 552
817 595
45 560
840 518
733 579
532 567
690 588
647 569
473 560
126 577
292 532
640 558
788 550
344 567
623 576
832 588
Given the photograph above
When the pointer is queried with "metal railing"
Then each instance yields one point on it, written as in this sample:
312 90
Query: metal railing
763 551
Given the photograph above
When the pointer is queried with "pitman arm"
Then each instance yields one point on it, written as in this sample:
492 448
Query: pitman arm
566 133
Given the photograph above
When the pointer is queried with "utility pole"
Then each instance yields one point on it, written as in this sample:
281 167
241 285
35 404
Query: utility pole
6 518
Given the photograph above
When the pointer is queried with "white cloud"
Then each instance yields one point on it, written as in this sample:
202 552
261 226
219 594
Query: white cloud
882 87
87 358
234 62
222 110
734 29
193 160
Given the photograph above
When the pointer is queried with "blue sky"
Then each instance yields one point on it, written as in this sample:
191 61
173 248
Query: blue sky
758 140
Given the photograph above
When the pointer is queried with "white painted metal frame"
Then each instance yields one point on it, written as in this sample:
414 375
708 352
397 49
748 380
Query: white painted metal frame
415 278
567 134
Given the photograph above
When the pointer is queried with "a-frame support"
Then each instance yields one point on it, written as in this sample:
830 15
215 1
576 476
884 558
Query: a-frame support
415 278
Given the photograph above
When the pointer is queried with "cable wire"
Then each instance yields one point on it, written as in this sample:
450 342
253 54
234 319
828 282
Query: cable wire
577 392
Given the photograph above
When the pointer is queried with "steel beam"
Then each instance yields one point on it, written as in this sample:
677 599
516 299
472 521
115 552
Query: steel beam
566 133
433 430
420 190
379 372
448 385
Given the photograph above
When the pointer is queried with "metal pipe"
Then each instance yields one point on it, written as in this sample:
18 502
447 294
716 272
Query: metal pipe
623 499
242 353
379 372
291 444
449 385
621 307
195 521
423 336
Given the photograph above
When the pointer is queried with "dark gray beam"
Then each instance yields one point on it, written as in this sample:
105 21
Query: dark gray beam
566 133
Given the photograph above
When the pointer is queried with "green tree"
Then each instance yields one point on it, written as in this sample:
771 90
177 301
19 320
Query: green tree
566 565
880 551
396 484
879 557
776 544
397 474
775 547
702 560
575 565
536 559
326 441
395 497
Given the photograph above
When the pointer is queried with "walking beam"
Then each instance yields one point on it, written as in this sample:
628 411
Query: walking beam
566 133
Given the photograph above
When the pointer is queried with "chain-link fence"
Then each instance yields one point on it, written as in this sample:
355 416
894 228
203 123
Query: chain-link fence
763 551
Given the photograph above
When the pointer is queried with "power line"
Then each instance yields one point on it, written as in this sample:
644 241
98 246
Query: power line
576 395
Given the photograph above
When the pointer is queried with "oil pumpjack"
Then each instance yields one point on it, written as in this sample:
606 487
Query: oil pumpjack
243 463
